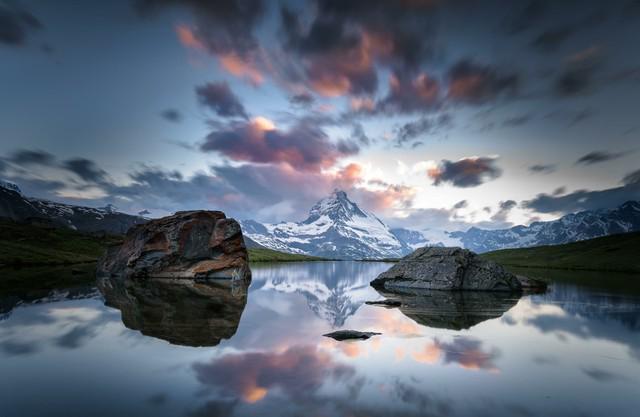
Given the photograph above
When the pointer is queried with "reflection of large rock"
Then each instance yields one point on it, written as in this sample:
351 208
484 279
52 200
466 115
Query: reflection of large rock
436 268
189 244
182 312
454 310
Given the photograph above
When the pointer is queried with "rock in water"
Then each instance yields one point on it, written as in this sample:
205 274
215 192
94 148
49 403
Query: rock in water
189 244
434 268
350 335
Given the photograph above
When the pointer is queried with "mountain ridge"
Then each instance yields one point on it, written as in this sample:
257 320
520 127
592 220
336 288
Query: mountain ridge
336 228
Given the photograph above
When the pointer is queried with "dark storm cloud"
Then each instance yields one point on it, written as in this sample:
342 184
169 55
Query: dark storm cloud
461 204
219 98
85 169
466 172
597 157
542 168
526 16
550 39
222 26
31 157
407 95
504 208
303 99
345 40
587 200
470 82
16 24
171 115
424 126
304 146
559 191
517 121
578 76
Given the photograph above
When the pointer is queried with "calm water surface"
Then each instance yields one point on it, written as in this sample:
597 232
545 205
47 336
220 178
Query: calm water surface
573 351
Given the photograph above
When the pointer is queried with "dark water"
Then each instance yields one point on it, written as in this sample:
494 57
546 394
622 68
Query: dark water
573 351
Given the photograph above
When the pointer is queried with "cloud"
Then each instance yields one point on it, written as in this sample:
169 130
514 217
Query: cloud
461 204
344 42
221 26
526 16
16 24
424 126
298 372
31 157
500 216
407 95
587 200
542 168
85 169
577 77
473 83
549 40
303 146
517 121
597 157
466 172
219 98
302 99
171 115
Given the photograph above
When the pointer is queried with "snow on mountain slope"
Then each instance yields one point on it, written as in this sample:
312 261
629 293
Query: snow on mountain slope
336 228
570 228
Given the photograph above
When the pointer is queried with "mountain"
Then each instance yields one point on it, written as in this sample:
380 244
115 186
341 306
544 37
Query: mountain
413 238
15 206
570 228
336 228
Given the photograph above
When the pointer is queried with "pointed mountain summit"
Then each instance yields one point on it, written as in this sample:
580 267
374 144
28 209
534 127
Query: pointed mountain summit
336 228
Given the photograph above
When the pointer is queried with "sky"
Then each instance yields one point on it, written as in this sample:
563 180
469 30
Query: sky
433 114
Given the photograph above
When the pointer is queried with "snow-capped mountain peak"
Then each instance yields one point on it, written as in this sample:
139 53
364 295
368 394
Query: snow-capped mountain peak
10 186
336 228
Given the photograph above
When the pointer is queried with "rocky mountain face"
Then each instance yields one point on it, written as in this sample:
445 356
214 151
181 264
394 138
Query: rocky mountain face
15 206
335 228
570 228
413 238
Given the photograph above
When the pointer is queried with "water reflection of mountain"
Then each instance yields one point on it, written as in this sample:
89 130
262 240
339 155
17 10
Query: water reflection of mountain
182 312
8 303
454 310
333 290
595 305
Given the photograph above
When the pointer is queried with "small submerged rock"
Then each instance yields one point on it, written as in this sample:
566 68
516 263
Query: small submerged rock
384 303
350 335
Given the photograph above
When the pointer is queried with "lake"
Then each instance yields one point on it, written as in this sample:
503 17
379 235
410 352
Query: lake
179 350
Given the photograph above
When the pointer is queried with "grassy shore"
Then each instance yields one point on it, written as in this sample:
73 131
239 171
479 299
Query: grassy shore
616 253
268 255
29 245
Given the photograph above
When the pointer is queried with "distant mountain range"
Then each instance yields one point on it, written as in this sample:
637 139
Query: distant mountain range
335 228
570 228
15 206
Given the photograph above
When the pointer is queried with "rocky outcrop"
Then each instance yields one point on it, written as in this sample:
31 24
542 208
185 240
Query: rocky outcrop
341 335
189 244
433 268
182 312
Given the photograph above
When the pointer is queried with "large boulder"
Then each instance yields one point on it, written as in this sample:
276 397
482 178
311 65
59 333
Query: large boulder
436 268
189 244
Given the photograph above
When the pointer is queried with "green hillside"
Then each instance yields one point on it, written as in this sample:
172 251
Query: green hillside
23 244
268 255
609 253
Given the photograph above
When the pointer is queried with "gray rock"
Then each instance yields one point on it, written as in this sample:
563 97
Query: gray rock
433 268
385 303
350 335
